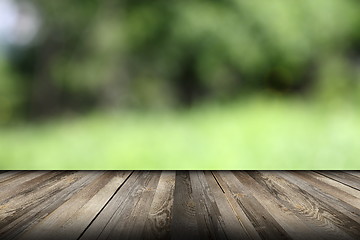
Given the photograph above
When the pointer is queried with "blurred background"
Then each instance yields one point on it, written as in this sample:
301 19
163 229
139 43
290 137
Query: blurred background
191 84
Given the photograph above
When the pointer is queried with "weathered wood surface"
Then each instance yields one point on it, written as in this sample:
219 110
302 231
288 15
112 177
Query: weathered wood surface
180 205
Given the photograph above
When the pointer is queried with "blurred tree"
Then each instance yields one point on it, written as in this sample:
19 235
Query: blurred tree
160 53
10 93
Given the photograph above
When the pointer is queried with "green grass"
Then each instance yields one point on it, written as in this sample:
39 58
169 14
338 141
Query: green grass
253 134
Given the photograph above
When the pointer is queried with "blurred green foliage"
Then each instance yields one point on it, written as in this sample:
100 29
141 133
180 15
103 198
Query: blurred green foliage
10 93
148 59
167 53
256 133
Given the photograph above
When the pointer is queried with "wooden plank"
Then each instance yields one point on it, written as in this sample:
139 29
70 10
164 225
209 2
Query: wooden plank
8 186
80 220
209 219
234 229
239 213
11 175
355 173
349 215
318 215
184 224
28 186
70 219
326 185
303 206
159 219
267 195
6 175
112 208
344 178
264 223
27 198
181 205
336 184
136 211
46 202
119 210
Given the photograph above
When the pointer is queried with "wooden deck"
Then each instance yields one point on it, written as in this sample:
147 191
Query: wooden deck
179 205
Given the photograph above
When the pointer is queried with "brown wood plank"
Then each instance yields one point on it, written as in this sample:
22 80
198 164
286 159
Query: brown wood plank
305 207
209 219
41 203
261 219
240 214
119 211
70 219
112 208
326 185
9 185
6 175
350 215
134 225
343 177
234 229
80 220
336 184
28 185
159 219
266 194
184 224
18 203
355 173
9 176
322 217
180 204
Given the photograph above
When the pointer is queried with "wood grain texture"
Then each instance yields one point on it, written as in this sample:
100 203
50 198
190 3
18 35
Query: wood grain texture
5 175
351 180
266 194
118 217
239 213
261 219
40 202
304 206
158 222
225 205
184 224
74 215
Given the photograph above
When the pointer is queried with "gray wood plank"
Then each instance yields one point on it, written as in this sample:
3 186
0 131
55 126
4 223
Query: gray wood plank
70 219
234 229
303 206
18 203
261 219
184 224
320 216
355 173
209 219
9 185
328 186
343 177
42 203
119 210
349 214
239 213
159 219
137 210
180 204
334 183
29 185
6 175
266 194
80 220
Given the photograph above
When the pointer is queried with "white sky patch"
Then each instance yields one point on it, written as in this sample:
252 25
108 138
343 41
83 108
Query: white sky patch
19 22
